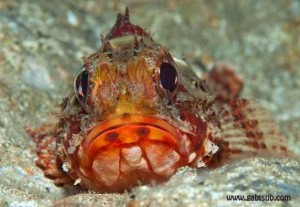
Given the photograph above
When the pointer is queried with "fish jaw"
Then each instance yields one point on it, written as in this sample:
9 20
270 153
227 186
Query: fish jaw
122 152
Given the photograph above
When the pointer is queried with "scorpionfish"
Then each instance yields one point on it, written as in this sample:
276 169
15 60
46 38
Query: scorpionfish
137 114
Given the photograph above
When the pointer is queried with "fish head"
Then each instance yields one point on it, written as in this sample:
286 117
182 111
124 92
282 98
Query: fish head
137 126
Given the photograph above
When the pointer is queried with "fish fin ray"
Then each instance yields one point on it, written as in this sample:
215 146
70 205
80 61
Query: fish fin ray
248 130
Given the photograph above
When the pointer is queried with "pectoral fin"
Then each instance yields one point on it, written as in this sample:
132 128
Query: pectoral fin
247 130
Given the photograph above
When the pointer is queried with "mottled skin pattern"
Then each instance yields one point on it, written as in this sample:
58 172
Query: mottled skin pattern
137 115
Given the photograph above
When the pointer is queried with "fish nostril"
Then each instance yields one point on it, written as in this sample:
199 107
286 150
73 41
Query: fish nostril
143 132
112 136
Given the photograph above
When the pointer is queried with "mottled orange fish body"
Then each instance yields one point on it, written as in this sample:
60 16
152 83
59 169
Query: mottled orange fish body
137 115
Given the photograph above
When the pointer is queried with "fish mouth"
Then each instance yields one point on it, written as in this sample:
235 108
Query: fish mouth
128 129
120 152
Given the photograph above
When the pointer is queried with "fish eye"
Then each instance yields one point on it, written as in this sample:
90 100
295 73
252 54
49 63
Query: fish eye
168 76
81 84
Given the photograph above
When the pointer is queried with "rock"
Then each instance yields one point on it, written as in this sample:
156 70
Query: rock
256 176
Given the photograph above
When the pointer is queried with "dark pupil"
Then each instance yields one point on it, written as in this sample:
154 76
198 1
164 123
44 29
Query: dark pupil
168 76
82 84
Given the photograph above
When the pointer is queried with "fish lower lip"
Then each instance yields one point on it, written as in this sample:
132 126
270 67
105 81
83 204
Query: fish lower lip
134 125
120 152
